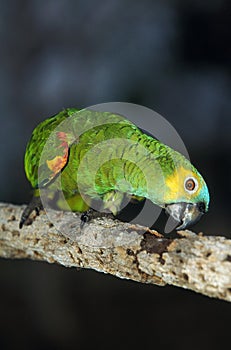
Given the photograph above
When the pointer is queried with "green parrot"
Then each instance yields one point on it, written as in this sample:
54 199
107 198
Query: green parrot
77 157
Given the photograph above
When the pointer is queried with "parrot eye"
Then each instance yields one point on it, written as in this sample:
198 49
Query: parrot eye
191 184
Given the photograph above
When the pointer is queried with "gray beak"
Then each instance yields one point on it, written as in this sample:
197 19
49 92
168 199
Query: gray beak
185 214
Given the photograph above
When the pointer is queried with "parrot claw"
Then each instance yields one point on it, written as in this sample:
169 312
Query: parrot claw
35 204
85 217
91 214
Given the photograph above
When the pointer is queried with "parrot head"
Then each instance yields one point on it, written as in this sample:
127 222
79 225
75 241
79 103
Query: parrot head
186 195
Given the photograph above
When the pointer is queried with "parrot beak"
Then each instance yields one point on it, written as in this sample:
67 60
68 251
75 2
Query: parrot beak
186 214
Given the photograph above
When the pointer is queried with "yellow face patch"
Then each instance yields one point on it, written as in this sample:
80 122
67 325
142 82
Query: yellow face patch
175 185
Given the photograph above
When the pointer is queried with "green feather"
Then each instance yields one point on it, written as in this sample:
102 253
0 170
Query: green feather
104 155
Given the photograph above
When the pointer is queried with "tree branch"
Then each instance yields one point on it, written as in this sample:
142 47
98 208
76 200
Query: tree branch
196 262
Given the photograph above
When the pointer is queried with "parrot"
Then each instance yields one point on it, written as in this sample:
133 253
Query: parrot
77 157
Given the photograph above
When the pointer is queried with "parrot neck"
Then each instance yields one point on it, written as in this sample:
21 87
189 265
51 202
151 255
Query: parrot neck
143 171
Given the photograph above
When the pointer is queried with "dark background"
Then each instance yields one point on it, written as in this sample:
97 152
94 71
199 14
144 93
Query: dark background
171 56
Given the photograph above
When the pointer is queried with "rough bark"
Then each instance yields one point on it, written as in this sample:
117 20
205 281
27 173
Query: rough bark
196 262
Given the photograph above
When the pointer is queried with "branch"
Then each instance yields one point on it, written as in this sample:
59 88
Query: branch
196 262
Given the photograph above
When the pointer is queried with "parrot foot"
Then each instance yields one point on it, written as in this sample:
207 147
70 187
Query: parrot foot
35 204
91 214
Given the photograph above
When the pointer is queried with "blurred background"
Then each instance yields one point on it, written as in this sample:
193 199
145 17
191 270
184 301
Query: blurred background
172 56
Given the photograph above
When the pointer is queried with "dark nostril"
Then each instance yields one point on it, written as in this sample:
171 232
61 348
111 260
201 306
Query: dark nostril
201 207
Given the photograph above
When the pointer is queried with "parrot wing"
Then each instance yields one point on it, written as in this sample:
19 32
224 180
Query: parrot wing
48 149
